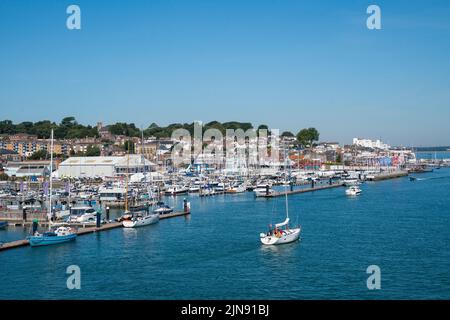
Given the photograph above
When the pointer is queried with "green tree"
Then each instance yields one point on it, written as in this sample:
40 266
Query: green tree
287 134
7 126
92 151
3 177
126 129
39 155
338 157
306 137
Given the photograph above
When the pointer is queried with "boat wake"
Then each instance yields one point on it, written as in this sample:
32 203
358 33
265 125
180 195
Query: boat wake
433 178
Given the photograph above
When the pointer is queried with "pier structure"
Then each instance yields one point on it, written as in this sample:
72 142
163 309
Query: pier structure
304 190
91 229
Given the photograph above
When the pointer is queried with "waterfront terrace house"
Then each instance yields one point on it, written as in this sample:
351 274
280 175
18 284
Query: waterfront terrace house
25 145
82 145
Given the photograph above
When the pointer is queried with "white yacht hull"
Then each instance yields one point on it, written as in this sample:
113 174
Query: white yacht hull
141 221
262 193
87 217
288 236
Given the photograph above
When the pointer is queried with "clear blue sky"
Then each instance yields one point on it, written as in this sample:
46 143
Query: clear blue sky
288 64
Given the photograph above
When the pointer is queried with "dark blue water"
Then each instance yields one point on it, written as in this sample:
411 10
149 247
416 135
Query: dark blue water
401 226
433 155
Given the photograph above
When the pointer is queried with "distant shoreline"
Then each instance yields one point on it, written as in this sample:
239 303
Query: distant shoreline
432 149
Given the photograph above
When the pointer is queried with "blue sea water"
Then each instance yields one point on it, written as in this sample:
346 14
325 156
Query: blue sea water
399 225
430 155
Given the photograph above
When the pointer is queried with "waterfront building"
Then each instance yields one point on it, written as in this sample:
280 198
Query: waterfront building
372 144
28 169
9 155
94 167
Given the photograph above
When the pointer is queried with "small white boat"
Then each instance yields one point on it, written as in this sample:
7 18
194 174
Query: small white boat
194 189
353 191
207 192
263 190
220 187
83 214
237 189
174 190
141 219
60 235
162 208
351 182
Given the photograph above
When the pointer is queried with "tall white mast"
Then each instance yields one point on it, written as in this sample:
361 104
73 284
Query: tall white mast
286 190
51 181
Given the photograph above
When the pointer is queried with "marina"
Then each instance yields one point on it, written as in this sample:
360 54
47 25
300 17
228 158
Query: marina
340 237
83 230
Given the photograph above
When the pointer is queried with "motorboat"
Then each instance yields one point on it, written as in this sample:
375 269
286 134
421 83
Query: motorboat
175 190
262 190
351 182
83 214
353 191
194 189
220 187
237 189
162 208
60 235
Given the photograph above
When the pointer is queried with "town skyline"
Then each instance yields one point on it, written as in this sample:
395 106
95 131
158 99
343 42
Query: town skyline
288 66
245 126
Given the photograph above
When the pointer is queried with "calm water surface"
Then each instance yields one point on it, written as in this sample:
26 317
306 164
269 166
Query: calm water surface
401 226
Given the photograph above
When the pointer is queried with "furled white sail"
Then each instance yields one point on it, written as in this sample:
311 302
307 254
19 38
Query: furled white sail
279 225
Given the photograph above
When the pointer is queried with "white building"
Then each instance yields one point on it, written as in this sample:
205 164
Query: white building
92 167
373 144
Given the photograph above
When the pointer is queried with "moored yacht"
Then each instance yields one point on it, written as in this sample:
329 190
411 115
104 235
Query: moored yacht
175 190
262 190
162 208
83 214
140 219
237 189
61 234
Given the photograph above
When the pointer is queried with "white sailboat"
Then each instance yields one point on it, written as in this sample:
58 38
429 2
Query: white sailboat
141 218
61 234
281 233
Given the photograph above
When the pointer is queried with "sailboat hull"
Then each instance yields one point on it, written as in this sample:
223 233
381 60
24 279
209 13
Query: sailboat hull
141 222
288 236
36 241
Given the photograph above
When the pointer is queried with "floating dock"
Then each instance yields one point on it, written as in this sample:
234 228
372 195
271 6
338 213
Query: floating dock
88 230
389 175
304 190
